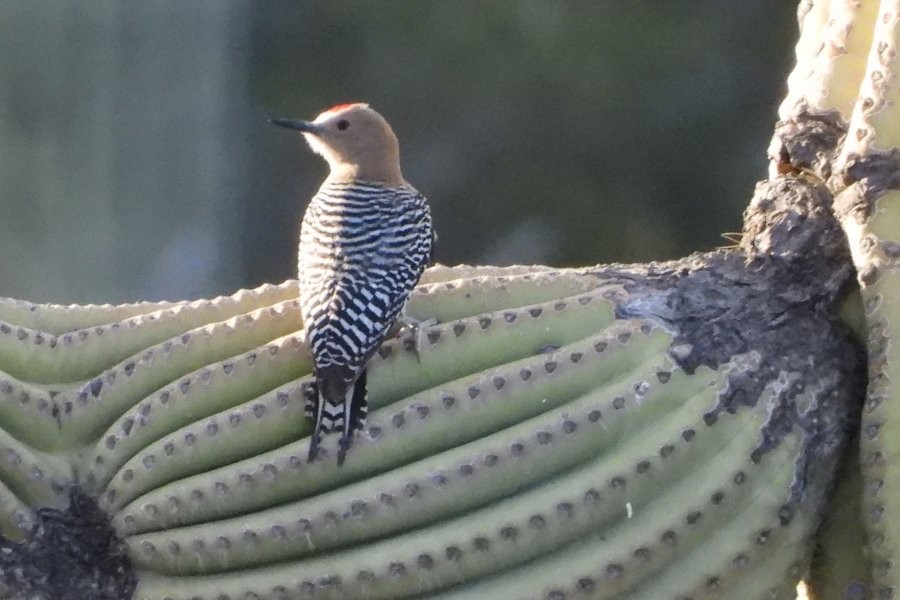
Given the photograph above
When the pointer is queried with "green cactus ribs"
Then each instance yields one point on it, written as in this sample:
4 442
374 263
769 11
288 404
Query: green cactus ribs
606 432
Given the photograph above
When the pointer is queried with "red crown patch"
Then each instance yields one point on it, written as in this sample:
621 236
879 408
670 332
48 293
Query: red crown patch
338 107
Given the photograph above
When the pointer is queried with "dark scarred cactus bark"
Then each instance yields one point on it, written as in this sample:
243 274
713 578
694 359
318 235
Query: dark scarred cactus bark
660 431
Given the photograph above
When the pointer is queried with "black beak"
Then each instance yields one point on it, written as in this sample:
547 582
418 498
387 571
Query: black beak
304 126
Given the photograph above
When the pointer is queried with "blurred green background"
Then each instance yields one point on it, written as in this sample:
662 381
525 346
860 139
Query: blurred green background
136 161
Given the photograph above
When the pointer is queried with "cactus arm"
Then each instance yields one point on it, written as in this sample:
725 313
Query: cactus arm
534 410
513 410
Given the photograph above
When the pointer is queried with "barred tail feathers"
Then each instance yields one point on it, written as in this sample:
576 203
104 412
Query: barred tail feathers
337 402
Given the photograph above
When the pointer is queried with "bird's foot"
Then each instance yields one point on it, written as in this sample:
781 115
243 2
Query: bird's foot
412 332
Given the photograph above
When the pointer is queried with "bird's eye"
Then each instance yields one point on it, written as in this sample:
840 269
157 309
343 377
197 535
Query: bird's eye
343 124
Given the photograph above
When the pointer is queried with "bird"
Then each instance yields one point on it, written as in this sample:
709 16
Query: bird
365 239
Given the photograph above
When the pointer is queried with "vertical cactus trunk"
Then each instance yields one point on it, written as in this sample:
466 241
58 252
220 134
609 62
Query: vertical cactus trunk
868 205
849 51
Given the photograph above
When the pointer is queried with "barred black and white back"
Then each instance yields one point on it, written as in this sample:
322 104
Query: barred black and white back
363 247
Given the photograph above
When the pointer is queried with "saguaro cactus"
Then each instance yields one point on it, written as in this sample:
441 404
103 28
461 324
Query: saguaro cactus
840 122
603 422
664 431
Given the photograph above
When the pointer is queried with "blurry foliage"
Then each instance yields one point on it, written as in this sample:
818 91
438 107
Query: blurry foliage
565 132
627 130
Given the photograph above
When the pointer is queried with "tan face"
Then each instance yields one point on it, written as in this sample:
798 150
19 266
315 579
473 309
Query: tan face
352 134
356 141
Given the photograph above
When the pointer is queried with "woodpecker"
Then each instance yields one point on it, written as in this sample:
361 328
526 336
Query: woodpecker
365 239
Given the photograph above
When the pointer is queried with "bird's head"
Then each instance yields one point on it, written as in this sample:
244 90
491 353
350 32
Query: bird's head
357 142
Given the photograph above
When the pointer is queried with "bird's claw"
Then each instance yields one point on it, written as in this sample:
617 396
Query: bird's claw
412 332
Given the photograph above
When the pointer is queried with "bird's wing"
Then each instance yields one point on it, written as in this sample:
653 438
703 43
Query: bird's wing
370 284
